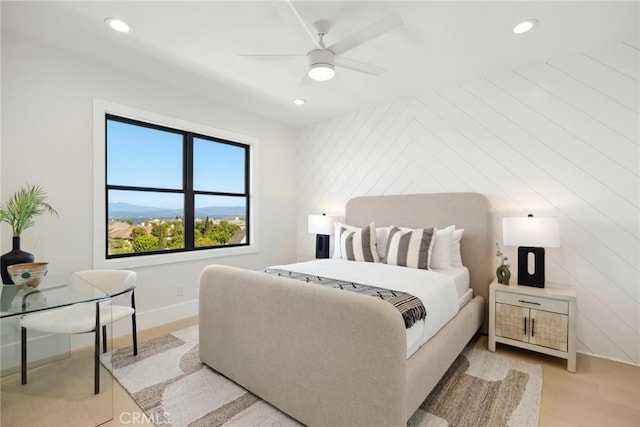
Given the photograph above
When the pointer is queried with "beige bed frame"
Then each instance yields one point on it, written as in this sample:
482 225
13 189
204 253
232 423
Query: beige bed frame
332 358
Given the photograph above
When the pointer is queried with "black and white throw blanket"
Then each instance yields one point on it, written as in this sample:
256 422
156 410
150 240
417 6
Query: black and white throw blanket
410 307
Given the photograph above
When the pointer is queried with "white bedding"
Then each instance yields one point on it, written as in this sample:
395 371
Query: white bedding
464 299
438 292
461 277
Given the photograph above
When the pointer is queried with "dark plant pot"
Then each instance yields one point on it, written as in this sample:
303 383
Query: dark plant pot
503 274
16 256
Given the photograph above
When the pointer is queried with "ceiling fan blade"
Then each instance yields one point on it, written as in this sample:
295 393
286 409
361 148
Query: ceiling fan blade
354 65
306 80
289 14
368 33
269 57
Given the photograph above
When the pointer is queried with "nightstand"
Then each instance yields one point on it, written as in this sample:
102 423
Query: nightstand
537 319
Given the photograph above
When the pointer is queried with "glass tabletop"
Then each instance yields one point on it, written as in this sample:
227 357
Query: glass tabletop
58 290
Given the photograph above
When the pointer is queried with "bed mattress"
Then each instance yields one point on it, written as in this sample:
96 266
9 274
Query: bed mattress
460 276
442 292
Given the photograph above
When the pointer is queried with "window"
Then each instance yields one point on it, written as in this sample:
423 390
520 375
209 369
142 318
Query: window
171 190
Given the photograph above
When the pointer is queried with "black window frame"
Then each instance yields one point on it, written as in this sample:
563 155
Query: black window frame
187 189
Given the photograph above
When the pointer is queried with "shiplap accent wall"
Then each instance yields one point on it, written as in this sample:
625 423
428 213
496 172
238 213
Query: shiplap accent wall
557 139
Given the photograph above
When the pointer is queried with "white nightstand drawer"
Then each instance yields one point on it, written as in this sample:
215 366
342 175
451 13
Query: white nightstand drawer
531 301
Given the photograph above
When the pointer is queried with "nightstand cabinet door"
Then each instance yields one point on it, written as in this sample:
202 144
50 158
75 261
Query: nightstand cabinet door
549 329
512 322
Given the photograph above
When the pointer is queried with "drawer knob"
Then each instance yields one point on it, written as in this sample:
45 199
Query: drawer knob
528 302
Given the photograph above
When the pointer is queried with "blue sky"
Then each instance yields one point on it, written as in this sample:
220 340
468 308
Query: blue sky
139 156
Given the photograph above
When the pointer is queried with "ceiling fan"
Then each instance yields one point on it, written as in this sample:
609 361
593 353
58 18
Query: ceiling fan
322 59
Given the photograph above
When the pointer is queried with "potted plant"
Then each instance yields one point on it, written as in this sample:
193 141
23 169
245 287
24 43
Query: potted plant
502 272
20 212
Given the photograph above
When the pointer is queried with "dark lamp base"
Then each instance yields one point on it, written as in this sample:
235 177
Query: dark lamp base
322 246
526 278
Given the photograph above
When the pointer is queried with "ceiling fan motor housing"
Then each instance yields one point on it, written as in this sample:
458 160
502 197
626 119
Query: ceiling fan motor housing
321 64
320 57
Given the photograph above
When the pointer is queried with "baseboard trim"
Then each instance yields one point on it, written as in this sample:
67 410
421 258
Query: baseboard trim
157 317
44 345
611 359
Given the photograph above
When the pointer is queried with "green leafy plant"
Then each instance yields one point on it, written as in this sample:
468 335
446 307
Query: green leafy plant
23 206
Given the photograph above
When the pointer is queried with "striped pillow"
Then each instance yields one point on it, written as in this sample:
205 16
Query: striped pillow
411 248
359 244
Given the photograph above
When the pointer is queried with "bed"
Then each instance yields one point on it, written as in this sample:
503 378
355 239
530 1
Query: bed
335 358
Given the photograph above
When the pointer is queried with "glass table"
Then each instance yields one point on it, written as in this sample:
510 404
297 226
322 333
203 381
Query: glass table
56 362
55 291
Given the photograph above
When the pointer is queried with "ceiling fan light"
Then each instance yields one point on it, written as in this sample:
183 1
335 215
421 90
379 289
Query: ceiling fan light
321 72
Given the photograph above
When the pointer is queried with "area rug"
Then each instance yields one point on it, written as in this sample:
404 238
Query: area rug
168 381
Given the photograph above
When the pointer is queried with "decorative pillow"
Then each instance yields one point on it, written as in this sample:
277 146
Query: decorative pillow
337 250
359 244
410 248
456 236
441 254
337 253
382 234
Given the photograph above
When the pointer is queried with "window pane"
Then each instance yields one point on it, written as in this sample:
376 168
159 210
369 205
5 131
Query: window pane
138 156
142 221
218 167
220 220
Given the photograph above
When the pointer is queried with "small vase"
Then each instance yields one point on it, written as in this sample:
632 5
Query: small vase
16 256
503 274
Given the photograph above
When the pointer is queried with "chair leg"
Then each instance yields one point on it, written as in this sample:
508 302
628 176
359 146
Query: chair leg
134 328
96 353
134 333
23 355
104 338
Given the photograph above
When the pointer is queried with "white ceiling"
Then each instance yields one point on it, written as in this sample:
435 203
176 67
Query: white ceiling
439 45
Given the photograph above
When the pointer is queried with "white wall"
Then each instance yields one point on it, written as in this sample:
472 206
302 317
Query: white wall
47 115
557 139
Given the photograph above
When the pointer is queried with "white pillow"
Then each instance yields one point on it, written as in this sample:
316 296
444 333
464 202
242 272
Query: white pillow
456 258
359 244
337 254
441 254
410 248
382 234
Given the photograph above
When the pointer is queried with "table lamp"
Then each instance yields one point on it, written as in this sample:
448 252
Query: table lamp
322 227
531 235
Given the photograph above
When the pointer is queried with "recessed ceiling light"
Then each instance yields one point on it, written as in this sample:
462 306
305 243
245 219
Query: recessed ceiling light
118 25
299 101
524 26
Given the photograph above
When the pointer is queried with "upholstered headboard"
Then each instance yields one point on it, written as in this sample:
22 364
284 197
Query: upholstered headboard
470 211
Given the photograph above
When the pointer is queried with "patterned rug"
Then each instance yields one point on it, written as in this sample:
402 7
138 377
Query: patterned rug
168 381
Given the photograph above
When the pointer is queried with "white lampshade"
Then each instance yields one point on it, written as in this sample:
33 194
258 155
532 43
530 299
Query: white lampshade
322 224
531 231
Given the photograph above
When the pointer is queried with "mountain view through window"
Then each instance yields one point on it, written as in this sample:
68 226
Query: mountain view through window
170 190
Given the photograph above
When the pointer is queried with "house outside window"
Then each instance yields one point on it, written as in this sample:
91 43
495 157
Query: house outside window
170 190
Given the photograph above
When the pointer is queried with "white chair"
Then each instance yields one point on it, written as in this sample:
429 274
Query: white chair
86 317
